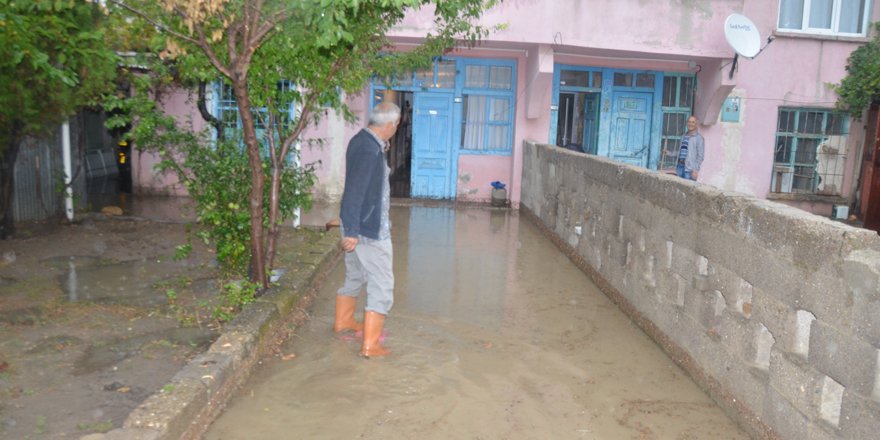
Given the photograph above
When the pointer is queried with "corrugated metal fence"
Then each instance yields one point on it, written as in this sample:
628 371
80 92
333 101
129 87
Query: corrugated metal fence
39 172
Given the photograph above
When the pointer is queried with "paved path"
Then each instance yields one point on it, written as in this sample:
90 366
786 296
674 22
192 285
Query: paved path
495 335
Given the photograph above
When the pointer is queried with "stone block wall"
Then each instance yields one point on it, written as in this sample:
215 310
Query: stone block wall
773 310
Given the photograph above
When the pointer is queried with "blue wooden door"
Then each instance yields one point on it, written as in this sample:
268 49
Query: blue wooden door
432 146
631 127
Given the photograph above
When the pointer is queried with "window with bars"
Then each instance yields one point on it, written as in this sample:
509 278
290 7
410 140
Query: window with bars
829 17
227 110
677 106
487 108
810 151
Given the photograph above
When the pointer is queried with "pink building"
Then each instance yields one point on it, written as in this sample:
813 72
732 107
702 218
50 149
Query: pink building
618 79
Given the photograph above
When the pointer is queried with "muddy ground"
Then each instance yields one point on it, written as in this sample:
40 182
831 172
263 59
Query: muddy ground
95 317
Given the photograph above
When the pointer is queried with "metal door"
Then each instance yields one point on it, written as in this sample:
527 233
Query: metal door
871 171
631 127
432 146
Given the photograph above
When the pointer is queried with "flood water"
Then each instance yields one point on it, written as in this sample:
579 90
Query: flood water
494 334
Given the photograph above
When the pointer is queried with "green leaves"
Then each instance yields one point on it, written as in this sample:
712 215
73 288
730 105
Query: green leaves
319 50
53 59
861 86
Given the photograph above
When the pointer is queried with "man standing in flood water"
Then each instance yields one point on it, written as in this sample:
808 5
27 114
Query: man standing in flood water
366 230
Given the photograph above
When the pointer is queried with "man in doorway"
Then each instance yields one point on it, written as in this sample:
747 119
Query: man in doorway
690 152
366 230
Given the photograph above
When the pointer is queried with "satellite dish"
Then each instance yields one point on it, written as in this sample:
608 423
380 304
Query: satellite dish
742 35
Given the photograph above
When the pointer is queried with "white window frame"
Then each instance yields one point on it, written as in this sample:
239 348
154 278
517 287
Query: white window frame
835 20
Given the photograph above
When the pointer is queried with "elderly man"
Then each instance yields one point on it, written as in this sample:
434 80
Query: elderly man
690 152
366 230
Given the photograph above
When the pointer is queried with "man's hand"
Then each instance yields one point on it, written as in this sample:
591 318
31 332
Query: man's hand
349 243
695 174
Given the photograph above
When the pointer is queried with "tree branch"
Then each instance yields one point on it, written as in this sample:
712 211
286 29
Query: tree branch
158 25
209 52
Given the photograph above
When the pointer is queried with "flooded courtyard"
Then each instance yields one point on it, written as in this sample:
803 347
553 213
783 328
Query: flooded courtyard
494 334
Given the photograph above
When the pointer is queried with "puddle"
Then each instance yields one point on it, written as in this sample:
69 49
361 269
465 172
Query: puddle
131 283
26 316
104 355
64 262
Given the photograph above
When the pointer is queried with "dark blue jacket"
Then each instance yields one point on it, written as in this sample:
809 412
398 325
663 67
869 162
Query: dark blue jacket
361 210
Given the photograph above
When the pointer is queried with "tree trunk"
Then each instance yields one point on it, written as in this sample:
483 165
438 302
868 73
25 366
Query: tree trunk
7 183
274 214
258 267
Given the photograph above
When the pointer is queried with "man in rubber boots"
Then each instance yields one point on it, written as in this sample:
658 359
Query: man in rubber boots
366 230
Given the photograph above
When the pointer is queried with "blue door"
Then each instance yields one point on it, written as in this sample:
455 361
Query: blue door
432 146
631 127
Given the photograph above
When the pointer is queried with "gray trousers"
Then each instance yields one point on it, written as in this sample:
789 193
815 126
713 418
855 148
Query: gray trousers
370 264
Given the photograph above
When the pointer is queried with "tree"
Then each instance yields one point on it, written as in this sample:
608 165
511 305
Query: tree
861 86
325 48
53 60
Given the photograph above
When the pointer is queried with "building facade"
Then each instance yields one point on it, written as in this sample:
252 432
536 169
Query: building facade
618 79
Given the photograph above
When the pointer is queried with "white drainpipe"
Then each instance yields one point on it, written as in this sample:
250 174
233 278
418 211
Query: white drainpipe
68 170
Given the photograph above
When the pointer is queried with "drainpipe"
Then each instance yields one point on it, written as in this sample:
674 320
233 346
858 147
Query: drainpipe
68 170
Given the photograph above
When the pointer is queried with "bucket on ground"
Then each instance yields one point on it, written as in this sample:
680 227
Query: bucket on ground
499 194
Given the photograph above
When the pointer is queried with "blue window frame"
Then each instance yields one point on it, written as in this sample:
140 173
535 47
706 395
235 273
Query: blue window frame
579 97
677 106
440 75
226 109
488 106
485 90
810 152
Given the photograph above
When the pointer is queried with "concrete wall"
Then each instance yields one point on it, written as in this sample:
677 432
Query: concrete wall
775 311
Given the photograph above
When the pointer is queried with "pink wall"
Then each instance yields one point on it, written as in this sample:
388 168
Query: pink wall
792 71
476 173
329 156
685 36
607 26
145 178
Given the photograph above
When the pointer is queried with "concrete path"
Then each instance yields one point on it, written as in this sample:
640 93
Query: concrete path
495 335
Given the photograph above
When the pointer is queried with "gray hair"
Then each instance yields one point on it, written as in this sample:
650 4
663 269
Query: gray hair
383 113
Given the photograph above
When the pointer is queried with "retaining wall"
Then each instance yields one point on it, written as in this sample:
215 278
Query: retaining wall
773 310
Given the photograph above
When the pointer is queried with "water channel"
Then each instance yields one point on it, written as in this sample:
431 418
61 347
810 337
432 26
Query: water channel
495 334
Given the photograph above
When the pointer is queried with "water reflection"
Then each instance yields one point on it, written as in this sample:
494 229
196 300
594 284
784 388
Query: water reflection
133 283
71 281
458 263
495 334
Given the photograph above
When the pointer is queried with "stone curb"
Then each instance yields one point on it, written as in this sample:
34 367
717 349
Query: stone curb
194 397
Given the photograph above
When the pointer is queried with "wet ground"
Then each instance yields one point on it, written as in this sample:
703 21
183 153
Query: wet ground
97 315
495 335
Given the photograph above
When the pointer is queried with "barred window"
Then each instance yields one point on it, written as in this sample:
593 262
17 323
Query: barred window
226 110
678 101
810 151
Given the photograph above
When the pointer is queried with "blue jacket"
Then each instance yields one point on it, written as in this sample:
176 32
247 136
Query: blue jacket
361 210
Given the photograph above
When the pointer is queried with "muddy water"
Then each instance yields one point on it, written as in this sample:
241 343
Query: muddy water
495 335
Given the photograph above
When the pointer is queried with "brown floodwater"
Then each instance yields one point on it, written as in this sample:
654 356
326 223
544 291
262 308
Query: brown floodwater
494 333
